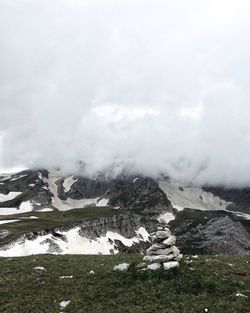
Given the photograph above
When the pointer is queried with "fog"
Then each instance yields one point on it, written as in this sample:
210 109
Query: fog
157 87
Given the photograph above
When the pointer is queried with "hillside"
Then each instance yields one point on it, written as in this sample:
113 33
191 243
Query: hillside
44 211
218 284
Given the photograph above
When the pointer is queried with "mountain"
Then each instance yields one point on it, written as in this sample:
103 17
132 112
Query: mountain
45 211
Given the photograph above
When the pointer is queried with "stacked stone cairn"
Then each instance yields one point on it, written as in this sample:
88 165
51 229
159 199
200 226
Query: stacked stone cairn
163 251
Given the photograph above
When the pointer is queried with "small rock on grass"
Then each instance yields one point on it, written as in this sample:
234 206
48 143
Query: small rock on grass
169 265
64 304
39 268
241 295
121 267
141 265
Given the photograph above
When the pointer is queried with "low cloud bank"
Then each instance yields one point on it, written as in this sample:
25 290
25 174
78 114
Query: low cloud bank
156 86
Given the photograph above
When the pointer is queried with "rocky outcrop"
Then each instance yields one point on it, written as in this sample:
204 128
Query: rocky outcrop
125 224
211 232
128 192
239 197
32 186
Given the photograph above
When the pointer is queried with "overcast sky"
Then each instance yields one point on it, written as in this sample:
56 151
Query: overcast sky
159 86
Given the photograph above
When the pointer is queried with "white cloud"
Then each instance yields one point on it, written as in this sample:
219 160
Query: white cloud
161 86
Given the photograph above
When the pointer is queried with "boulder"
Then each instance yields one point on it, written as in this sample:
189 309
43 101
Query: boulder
159 251
171 241
163 234
154 266
123 267
157 246
158 258
168 265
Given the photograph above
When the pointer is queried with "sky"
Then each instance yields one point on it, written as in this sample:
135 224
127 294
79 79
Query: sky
154 86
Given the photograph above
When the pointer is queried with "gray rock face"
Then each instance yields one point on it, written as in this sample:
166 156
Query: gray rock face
129 192
124 191
32 185
125 224
240 197
211 232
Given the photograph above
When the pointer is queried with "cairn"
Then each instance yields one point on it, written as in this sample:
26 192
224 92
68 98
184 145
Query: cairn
163 251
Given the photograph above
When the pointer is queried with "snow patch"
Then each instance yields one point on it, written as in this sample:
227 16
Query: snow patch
10 196
19 177
68 182
191 197
69 204
166 217
75 244
46 210
26 206
11 211
143 233
8 221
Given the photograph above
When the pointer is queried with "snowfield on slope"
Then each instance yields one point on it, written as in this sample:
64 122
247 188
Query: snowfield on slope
191 197
69 204
7 221
25 207
10 196
74 244
68 182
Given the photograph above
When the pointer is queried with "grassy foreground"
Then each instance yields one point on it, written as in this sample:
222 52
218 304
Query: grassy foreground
207 283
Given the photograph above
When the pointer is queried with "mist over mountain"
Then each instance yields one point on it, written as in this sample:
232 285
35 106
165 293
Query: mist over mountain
153 86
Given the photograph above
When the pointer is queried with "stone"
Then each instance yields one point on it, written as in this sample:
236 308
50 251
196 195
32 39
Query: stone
169 265
64 304
154 266
162 221
141 266
157 246
123 267
176 251
39 268
158 258
163 234
160 251
178 258
171 241
160 228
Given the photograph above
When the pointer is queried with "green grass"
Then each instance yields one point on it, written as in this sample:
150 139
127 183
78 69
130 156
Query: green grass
208 282
49 220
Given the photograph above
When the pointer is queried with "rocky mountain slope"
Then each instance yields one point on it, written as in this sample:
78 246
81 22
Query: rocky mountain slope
44 211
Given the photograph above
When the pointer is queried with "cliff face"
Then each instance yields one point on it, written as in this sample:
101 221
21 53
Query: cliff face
128 192
124 224
239 197
208 232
